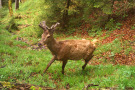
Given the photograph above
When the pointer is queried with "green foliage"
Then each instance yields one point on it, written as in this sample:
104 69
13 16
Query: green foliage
95 32
118 25
110 25
127 47
3 11
107 9
114 47
12 25
94 12
98 4
69 32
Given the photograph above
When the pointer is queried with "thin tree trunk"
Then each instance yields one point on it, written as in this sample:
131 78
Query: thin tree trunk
109 16
16 4
65 15
20 1
0 3
10 7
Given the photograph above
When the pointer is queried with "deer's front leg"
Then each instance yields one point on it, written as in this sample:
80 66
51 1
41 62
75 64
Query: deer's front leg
49 64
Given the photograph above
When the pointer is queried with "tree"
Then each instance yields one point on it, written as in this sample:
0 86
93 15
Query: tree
0 3
16 4
65 14
23 1
10 7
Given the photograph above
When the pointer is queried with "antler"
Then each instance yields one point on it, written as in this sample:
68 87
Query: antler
43 25
54 26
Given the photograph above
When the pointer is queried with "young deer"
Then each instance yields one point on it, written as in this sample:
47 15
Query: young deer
65 50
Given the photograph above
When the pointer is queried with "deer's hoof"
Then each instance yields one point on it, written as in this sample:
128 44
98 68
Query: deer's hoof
63 72
83 67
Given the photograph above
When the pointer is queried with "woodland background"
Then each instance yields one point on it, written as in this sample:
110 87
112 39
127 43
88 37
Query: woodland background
112 22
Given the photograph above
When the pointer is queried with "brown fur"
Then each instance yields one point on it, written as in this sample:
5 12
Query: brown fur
66 50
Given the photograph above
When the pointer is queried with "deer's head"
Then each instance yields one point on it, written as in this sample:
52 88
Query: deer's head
47 35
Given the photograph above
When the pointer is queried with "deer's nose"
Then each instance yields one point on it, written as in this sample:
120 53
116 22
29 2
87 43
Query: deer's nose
39 44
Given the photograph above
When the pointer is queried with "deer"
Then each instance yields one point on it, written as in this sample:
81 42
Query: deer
67 49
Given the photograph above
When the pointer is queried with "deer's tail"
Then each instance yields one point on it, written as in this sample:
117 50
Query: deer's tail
94 41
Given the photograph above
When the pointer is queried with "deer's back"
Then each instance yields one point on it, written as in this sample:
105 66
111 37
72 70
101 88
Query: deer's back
75 49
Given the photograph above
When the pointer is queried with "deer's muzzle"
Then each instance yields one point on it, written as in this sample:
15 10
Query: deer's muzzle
39 44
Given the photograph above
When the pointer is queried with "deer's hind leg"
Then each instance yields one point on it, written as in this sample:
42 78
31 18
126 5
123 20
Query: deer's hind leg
86 61
63 65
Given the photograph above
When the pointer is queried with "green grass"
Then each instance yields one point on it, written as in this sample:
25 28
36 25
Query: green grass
26 66
111 47
21 64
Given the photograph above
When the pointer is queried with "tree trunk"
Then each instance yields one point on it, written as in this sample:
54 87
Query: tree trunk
20 1
16 4
23 1
109 16
65 15
10 7
0 3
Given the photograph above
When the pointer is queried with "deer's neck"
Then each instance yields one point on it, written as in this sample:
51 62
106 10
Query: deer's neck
53 46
